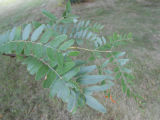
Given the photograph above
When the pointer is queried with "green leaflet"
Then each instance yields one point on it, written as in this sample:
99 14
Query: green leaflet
126 70
89 35
67 20
120 54
68 9
60 59
67 59
108 71
73 84
43 70
73 53
93 103
33 65
69 75
99 88
4 38
27 60
28 48
83 31
37 50
51 54
122 61
57 41
26 32
10 47
79 42
18 33
51 76
81 99
12 34
52 63
88 69
36 24
49 15
79 62
36 34
67 66
60 89
93 79
3 49
64 93
19 48
72 102
55 86
46 36
87 23
66 45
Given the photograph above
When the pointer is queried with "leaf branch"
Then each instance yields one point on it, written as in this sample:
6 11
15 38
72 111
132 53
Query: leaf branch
51 68
90 50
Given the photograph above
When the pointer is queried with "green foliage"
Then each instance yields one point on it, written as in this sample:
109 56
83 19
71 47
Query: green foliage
77 1
49 52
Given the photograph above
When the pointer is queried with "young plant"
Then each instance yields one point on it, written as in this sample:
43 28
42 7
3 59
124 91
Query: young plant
54 53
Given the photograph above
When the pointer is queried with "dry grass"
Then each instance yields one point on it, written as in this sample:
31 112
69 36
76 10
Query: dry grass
22 98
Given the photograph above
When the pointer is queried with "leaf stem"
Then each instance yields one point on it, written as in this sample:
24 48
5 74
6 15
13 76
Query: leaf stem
14 55
51 68
10 55
89 50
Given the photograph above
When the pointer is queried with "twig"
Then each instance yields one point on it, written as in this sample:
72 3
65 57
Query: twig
10 55
51 68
